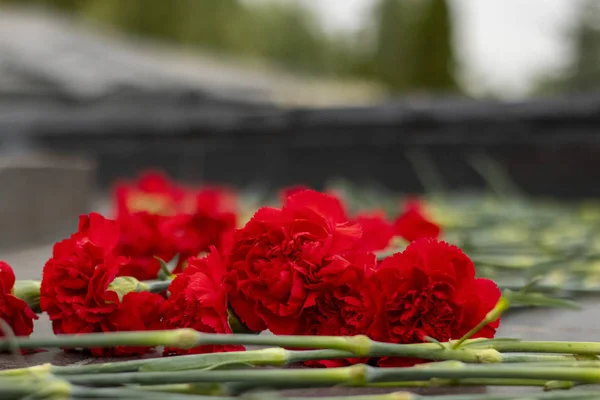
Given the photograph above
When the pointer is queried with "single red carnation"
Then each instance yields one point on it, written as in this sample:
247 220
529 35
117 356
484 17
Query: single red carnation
377 231
275 266
198 300
75 284
412 224
14 311
213 219
142 241
153 192
138 311
347 305
430 289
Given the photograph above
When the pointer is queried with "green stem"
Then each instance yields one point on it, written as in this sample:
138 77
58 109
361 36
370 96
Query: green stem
357 375
263 357
432 351
460 370
181 338
267 377
187 338
469 382
472 351
157 287
495 313
38 387
545 358
78 392
516 346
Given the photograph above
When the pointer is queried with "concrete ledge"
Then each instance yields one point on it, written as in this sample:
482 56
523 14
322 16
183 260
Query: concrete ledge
42 196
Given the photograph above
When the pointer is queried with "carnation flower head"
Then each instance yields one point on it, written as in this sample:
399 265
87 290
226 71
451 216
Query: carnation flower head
377 231
346 306
14 311
75 289
153 192
198 300
430 289
142 241
413 224
159 218
278 263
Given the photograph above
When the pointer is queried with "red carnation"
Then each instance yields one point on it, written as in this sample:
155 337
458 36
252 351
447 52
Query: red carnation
412 224
138 311
14 311
347 305
153 192
276 265
75 285
377 231
198 300
430 289
213 219
141 240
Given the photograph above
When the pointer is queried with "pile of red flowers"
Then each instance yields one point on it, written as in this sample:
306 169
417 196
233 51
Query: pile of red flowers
159 218
76 288
306 268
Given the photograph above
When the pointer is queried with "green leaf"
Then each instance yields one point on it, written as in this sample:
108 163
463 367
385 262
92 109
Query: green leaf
537 299
480 342
166 269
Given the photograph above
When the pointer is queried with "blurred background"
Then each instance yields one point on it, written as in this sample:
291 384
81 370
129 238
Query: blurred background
391 95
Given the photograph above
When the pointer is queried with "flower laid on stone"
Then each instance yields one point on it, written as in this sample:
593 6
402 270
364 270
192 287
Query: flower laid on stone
80 291
198 300
306 271
430 290
13 311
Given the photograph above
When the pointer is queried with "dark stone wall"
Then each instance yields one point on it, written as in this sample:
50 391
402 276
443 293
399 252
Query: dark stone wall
549 147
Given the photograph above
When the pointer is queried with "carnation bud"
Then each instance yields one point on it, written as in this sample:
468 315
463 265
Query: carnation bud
489 356
28 291
126 284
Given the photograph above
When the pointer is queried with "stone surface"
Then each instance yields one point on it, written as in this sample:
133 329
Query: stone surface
41 196
529 324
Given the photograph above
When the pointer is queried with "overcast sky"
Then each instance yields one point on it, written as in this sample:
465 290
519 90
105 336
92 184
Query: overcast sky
502 44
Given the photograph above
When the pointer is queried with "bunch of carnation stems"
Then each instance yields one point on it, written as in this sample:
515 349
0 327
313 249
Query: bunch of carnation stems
465 362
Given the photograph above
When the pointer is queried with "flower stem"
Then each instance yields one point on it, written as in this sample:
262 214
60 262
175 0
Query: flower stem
581 348
80 392
187 338
512 371
472 351
267 377
357 375
157 287
470 382
502 305
182 338
39 387
265 357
